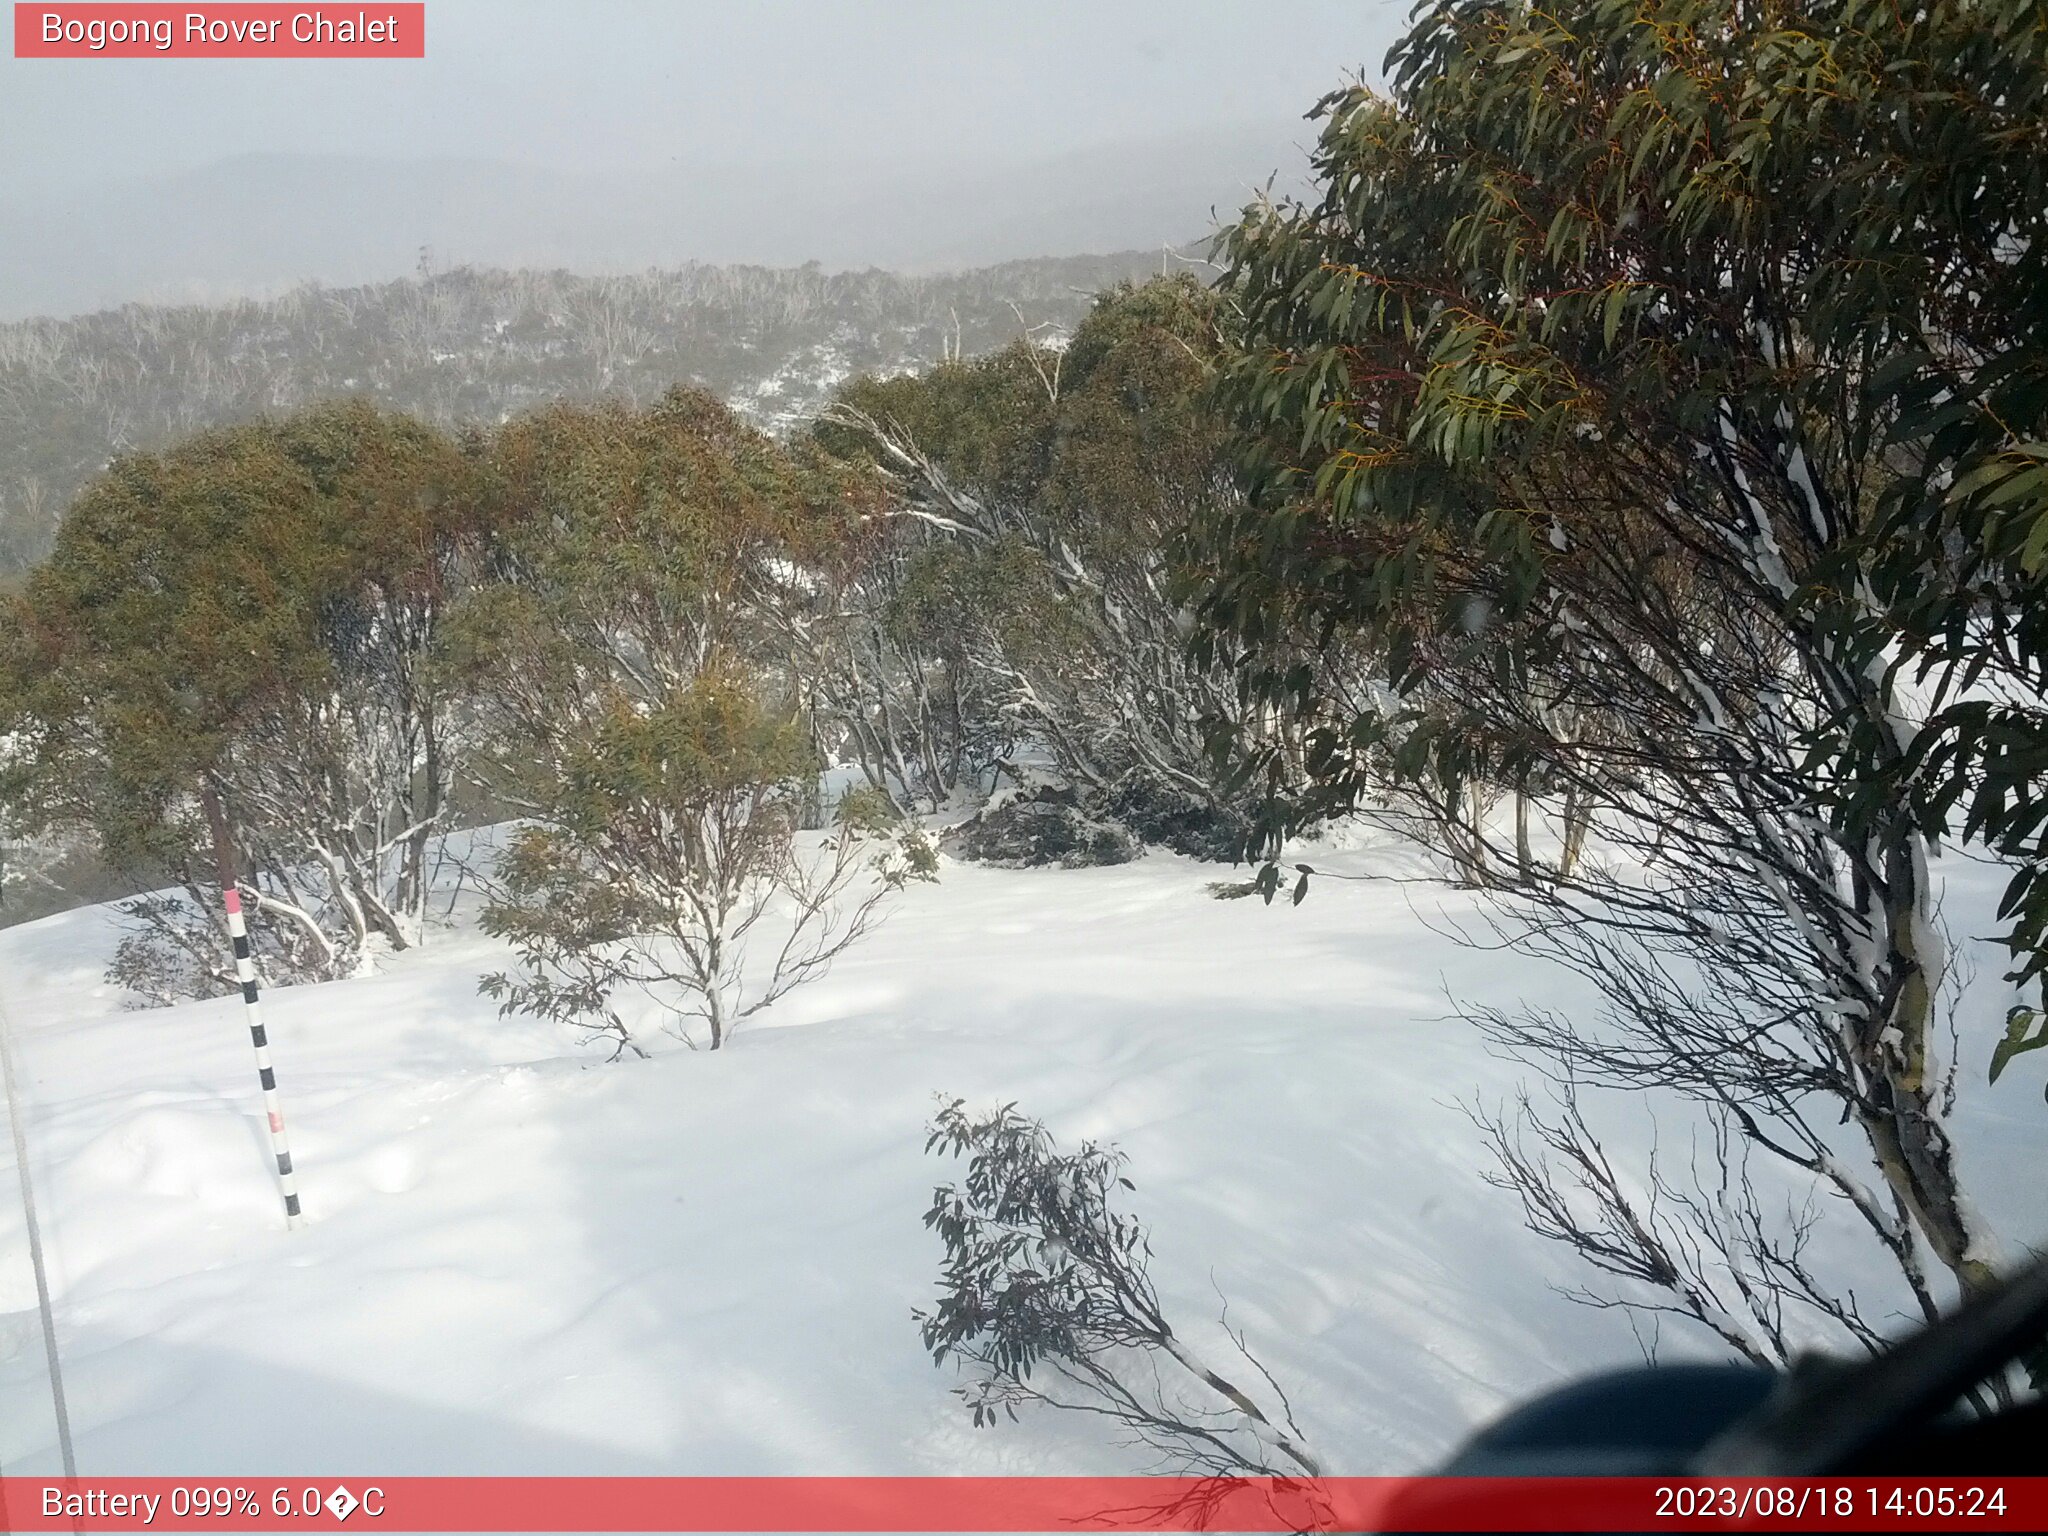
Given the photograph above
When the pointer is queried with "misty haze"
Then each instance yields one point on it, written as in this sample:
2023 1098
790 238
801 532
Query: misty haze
612 138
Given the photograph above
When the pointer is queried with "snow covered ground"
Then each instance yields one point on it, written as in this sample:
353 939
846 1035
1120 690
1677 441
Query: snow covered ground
521 1259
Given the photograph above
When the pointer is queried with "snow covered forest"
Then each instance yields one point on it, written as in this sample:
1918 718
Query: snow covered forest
457 346
1255 865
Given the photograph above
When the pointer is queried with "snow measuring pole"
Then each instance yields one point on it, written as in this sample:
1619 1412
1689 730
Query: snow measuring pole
245 973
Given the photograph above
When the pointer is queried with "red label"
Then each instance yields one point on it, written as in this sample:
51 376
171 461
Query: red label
119 31
1016 1504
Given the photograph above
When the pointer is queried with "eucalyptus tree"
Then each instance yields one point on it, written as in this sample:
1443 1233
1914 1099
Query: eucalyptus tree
661 584
1038 494
1638 370
256 611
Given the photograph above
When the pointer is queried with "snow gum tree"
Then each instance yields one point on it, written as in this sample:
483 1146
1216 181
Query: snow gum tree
636 672
1595 357
256 610
631 547
1028 572
18 862
671 836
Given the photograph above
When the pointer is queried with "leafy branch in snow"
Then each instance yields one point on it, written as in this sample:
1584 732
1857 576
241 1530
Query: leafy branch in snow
1045 1298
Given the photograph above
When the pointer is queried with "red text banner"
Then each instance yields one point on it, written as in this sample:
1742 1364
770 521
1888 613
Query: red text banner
241 31
919 1504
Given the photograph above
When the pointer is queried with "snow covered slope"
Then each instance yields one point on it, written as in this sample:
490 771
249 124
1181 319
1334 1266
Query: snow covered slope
522 1259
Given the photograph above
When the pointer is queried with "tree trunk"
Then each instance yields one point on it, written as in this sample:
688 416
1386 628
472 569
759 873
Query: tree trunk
1904 1123
714 991
1577 815
1474 834
1525 857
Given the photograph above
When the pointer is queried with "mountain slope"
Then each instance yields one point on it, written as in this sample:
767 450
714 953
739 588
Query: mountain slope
475 346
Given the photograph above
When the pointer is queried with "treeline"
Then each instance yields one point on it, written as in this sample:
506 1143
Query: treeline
1628 479
475 346
360 631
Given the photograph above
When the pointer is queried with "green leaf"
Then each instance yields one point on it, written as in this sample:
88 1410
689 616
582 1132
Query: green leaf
2017 1041
1610 323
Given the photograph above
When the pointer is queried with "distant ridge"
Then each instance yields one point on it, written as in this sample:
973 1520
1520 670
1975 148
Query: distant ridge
255 224
478 345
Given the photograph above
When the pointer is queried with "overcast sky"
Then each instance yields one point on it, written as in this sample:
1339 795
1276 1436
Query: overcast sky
623 81
888 89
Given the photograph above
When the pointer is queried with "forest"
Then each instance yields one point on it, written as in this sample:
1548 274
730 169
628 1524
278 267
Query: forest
458 345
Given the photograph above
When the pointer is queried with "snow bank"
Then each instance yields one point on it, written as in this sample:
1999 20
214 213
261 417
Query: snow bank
523 1260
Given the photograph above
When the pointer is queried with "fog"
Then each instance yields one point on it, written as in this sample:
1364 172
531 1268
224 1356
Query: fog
904 133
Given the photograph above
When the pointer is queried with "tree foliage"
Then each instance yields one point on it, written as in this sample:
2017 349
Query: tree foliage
257 609
1628 372
672 834
634 666
633 545
1794 249
1037 495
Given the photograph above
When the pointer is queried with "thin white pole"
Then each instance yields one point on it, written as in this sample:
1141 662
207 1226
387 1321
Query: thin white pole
35 1247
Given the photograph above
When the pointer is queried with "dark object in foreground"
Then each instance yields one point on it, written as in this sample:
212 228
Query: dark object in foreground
1899 1414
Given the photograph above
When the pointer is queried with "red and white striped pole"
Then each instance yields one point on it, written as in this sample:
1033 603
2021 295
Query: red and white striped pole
245 973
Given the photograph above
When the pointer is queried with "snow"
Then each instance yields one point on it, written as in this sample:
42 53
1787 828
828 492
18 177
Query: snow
521 1259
